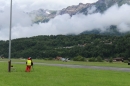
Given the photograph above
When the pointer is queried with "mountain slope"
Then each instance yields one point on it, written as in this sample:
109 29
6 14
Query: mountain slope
100 6
42 15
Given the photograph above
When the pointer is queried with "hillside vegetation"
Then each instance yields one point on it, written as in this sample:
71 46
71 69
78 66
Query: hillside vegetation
68 46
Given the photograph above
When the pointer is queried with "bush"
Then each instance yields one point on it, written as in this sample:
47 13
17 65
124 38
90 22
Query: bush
79 58
99 59
92 59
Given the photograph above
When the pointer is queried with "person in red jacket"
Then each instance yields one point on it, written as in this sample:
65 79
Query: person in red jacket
29 63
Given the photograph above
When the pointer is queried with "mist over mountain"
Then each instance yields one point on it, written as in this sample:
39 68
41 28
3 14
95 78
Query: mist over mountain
101 10
103 16
89 8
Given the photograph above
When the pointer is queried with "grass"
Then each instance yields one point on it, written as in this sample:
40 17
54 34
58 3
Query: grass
61 76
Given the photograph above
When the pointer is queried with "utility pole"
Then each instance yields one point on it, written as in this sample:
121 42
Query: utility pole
9 62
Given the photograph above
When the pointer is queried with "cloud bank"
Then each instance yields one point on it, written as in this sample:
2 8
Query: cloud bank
63 24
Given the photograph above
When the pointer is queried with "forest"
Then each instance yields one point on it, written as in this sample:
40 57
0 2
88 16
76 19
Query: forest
68 46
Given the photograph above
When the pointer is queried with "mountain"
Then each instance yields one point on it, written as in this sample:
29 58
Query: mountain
100 6
42 15
72 10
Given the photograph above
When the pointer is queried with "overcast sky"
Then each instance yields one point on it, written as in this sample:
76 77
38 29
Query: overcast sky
62 24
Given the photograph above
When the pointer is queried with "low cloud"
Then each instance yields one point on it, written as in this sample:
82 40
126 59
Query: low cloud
64 24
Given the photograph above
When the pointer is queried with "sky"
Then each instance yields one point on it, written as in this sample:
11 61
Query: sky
62 24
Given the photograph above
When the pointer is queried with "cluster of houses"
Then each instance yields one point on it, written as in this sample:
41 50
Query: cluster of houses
62 59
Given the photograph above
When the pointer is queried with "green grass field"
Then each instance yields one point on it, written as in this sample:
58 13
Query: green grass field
43 75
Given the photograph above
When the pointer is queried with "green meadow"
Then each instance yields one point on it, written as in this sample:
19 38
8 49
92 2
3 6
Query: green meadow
42 75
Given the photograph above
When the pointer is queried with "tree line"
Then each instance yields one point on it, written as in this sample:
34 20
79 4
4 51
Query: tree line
68 46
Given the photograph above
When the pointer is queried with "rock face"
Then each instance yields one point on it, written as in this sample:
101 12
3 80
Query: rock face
72 10
99 6
43 16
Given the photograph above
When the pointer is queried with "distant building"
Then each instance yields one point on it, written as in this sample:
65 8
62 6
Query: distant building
61 59
118 59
